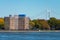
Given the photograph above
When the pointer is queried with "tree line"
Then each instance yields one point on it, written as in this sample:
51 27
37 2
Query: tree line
39 24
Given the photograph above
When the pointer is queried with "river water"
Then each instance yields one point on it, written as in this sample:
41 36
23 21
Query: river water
29 35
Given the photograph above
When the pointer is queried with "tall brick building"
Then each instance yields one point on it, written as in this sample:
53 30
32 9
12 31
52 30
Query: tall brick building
16 22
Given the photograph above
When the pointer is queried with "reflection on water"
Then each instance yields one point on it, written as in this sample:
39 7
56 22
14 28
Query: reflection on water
29 35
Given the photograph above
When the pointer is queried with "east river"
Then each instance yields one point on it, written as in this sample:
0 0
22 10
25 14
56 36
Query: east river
29 35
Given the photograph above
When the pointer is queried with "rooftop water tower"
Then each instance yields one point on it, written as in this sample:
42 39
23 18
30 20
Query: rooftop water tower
22 15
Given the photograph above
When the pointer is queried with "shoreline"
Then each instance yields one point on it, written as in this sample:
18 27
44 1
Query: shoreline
29 31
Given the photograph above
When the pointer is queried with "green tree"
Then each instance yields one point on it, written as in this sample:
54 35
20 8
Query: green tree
52 23
38 25
31 24
58 25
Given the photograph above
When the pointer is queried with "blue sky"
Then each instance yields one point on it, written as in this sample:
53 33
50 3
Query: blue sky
32 8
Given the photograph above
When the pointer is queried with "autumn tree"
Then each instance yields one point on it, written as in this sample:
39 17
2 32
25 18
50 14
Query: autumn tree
44 24
1 23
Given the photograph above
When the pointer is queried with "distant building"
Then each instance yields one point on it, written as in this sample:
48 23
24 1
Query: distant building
23 22
14 22
26 23
17 22
6 22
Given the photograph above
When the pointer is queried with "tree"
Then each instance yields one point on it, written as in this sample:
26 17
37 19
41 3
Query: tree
38 24
31 24
1 23
44 24
52 23
35 25
58 25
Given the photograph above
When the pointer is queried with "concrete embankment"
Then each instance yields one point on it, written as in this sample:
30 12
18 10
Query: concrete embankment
29 30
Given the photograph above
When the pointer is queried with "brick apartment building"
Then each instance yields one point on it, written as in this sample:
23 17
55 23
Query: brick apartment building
16 22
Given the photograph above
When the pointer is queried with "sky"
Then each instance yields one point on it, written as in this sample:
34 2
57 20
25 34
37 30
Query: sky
35 9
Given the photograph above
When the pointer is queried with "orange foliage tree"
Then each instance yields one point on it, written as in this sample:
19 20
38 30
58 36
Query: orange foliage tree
1 23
